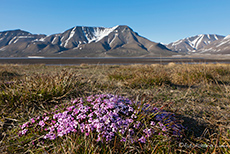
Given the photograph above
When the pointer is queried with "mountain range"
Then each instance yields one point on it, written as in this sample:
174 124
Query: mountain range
202 44
194 43
118 41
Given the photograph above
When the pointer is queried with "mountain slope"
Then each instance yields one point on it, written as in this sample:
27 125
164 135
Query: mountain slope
194 43
86 41
77 36
17 36
121 41
218 47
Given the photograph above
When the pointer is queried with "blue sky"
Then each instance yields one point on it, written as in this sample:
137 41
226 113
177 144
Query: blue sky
158 20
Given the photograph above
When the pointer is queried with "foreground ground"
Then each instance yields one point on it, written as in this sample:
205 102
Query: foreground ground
198 94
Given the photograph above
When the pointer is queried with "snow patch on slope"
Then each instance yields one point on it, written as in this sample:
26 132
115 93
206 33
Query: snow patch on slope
12 40
54 39
16 38
198 41
2 49
113 39
227 37
70 36
223 43
42 39
177 42
216 37
98 33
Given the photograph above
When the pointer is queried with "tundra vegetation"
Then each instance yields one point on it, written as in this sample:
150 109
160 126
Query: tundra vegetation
174 108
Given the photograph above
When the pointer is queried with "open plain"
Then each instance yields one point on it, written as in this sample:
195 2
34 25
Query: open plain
197 94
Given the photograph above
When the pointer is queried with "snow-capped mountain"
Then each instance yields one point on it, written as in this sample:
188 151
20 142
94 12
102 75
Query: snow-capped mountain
115 41
78 35
194 43
218 47
17 36
85 41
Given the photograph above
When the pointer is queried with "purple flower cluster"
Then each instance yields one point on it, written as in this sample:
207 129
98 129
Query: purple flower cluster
106 116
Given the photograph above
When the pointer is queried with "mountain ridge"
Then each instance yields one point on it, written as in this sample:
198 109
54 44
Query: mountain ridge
217 47
117 41
78 41
193 43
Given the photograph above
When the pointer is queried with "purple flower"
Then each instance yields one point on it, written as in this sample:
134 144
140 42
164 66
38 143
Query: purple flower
152 123
70 108
107 116
123 139
160 124
142 139
25 125
32 120
99 138
24 131
50 136
42 123
131 109
133 116
137 124
129 120
131 131
46 118
122 131
164 129
75 101
148 132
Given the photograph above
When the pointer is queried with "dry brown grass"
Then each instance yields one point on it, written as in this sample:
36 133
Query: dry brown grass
200 93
